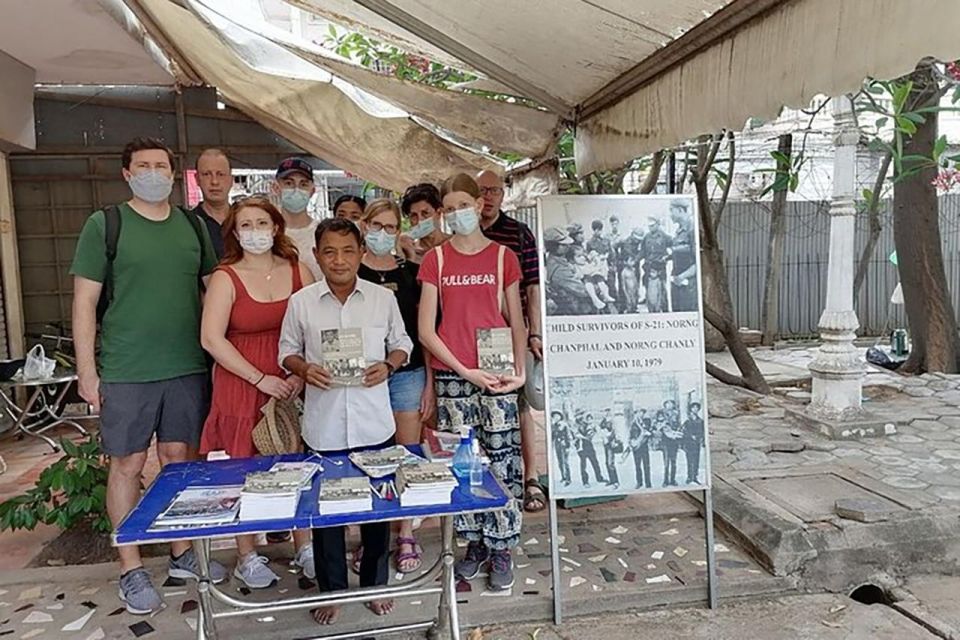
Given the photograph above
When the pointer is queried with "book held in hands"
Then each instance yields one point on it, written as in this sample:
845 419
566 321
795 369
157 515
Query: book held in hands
275 493
425 484
201 506
495 351
345 495
342 351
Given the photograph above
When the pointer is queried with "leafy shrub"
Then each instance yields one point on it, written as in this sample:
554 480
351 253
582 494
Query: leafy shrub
71 490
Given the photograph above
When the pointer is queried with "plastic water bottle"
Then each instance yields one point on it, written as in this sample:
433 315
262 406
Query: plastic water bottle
476 465
463 456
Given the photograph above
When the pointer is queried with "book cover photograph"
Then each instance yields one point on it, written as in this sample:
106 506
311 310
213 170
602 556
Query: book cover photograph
495 351
342 351
201 506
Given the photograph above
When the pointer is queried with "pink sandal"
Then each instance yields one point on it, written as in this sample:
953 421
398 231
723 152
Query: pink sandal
416 554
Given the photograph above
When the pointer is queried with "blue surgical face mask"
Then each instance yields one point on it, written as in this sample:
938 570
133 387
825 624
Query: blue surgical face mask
380 243
151 185
423 229
294 200
464 221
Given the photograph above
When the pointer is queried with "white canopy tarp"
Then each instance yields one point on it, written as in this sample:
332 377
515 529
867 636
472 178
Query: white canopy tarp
311 111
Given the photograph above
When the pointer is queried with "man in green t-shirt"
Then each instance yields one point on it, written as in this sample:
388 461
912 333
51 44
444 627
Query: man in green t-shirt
153 377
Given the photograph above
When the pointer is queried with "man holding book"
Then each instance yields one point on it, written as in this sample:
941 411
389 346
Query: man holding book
344 416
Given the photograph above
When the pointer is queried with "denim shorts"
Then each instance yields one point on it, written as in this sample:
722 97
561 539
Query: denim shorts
406 388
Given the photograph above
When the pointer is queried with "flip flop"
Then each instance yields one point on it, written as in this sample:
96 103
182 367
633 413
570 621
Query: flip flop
416 554
533 493
355 560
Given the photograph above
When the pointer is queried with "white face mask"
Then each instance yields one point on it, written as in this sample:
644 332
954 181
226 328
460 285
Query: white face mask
256 241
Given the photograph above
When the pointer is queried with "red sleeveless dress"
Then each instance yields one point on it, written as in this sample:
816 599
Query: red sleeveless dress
254 329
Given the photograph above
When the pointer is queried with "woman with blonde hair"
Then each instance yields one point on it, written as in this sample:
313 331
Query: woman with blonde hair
476 284
411 386
242 312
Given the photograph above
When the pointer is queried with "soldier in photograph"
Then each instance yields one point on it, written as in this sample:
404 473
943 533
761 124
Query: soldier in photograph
566 293
640 436
693 435
683 282
612 445
586 430
562 439
655 252
670 441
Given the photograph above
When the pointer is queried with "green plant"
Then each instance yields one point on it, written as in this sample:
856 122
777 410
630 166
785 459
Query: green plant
71 490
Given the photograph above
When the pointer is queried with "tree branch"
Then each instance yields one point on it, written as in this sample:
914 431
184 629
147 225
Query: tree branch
873 214
650 182
718 212
725 377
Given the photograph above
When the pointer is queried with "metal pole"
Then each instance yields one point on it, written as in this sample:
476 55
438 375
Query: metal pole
711 552
555 563
672 172
206 626
447 624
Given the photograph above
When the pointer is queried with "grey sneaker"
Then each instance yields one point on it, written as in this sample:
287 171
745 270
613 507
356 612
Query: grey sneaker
304 560
138 593
501 571
469 567
186 568
255 573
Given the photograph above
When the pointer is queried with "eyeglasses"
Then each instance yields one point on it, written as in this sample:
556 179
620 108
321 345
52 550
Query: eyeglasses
491 191
376 226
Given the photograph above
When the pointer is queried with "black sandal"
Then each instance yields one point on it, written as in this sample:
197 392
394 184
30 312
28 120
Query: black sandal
532 494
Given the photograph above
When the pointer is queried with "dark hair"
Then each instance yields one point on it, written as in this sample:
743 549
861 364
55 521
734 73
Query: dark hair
423 192
460 182
211 152
596 225
144 144
360 200
337 225
282 245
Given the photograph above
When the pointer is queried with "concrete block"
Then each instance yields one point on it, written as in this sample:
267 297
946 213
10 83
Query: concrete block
862 510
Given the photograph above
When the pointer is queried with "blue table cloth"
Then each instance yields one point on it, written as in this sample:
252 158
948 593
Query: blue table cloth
175 477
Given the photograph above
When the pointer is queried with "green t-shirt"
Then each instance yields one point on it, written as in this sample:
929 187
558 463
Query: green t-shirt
151 330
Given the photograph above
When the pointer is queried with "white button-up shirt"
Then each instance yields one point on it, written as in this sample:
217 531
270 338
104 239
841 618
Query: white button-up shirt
345 417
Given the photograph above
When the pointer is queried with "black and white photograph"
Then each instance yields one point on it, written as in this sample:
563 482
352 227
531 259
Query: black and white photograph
620 259
621 434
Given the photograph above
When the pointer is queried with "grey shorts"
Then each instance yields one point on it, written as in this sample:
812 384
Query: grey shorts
174 410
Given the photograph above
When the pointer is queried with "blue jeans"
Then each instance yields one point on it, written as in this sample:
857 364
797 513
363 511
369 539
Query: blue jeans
406 389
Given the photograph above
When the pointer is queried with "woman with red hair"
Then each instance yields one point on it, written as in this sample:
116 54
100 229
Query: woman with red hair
242 313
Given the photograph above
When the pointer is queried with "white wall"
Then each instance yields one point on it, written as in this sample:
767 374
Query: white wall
16 105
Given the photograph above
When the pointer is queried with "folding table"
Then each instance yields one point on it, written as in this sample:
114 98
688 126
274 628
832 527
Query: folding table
135 529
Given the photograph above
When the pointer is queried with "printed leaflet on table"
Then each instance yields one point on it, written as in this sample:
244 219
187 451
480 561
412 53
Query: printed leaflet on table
345 495
425 484
201 506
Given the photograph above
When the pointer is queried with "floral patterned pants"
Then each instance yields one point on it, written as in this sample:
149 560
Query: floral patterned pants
496 423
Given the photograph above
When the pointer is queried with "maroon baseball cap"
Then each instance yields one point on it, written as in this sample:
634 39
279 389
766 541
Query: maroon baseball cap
294 165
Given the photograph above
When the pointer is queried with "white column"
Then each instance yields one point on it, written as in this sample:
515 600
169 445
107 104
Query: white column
837 369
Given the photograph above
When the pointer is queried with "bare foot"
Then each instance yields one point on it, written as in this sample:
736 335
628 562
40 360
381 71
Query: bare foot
381 607
326 615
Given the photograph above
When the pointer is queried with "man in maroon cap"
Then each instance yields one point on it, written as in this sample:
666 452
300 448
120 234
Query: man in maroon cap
295 188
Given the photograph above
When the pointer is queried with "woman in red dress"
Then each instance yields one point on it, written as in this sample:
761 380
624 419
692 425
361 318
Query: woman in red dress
243 309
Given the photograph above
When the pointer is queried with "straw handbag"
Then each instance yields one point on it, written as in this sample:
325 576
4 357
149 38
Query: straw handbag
279 429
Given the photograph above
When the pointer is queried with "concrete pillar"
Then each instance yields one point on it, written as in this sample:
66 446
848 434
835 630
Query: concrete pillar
837 369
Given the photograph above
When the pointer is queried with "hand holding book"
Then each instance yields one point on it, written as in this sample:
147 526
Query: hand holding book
318 376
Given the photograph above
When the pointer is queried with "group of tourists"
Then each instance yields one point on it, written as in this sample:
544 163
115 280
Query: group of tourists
249 287
616 272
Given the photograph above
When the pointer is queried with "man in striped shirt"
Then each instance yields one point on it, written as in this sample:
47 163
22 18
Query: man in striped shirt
517 237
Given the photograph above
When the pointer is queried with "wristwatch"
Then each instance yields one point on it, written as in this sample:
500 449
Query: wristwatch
390 368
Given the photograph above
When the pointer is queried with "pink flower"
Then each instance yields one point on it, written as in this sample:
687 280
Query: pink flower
947 180
953 70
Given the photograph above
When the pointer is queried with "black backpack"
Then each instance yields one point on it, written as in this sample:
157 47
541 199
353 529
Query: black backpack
111 236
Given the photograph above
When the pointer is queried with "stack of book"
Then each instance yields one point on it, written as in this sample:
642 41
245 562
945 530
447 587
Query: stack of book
383 462
275 493
425 484
345 495
200 507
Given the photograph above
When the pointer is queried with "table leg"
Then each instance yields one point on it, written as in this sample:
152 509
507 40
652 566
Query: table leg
26 415
447 624
206 627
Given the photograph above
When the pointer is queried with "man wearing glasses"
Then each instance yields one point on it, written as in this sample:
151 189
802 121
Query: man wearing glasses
517 237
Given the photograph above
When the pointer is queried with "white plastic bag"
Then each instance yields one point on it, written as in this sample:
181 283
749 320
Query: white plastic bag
38 366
